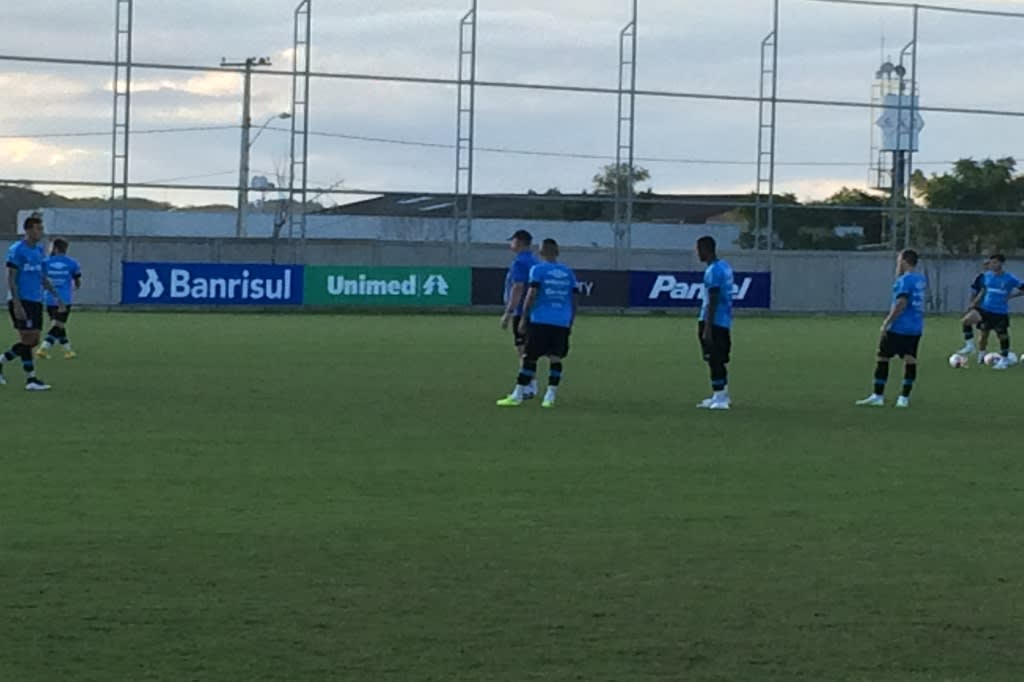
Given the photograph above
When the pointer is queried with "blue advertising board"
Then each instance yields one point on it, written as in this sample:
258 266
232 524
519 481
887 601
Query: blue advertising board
685 289
210 284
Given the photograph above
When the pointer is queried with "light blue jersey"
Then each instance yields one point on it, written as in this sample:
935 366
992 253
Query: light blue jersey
911 285
62 271
556 286
28 261
519 273
718 275
998 288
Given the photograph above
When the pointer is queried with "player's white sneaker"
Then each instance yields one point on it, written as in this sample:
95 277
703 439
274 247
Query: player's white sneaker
968 348
1003 363
871 401
36 385
705 404
720 404
903 401
3 380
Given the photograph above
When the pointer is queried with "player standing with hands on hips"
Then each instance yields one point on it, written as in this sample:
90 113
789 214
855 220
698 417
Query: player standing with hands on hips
901 330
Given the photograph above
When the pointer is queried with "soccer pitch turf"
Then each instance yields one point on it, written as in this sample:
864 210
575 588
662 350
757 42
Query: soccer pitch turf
260 497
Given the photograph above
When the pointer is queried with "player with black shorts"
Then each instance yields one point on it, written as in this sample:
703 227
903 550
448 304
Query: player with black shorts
26 280
901 330
548 315
516 280
714 326
992 305
65 274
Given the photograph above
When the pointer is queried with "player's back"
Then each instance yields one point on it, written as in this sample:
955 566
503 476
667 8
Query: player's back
556 286
61 270
911 321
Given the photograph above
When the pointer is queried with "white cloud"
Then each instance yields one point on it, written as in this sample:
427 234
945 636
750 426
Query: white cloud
26 153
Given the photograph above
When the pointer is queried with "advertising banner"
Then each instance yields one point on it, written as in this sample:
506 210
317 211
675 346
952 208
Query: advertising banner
598 288
685 289
210 284
388 286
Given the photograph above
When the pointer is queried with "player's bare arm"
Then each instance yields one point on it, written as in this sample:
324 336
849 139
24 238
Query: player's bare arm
48 285
531 296
12 285
514 297
897 309
709 318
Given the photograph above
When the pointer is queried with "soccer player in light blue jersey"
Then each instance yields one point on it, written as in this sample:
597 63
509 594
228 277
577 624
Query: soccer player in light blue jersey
548 314
991 311
65 274
969 322
714 326
516 281
27 280
901 330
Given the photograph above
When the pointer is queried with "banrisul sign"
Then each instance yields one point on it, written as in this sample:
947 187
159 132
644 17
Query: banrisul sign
353 285
210 284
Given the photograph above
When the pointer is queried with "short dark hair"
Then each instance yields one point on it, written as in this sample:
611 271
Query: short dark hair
550 242
707 243
60 245
34 219
998 256
910 256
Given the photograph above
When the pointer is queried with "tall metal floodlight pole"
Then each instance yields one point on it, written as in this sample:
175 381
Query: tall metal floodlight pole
769 82
909 214
298 176
904 143
123 25
465 130
622 210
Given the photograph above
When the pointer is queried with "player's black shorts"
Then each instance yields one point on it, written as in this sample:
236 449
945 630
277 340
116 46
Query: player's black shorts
720 346
543 340
898 345
993 322
33 315
56 316
517 338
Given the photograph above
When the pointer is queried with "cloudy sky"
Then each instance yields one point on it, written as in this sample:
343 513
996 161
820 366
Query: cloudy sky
827 51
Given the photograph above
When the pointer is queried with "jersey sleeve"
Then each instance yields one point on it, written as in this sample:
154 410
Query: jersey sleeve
1015 283
717 279
978 283
533 278
521 272
15 258
76 269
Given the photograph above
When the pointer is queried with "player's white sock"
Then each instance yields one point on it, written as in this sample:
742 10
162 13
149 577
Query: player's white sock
46 344
518 392
533 387
551 394
720 396
67 347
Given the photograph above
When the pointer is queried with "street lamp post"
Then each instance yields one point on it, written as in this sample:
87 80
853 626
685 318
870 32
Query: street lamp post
243 164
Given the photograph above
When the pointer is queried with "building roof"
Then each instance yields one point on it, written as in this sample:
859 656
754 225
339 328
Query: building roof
666 208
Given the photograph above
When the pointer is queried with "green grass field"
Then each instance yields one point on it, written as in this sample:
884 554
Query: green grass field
257 498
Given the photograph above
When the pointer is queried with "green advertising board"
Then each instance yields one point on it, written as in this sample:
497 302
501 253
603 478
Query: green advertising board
369 286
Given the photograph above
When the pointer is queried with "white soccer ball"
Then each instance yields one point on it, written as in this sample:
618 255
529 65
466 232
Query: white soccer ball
956 361
1012 358
992 359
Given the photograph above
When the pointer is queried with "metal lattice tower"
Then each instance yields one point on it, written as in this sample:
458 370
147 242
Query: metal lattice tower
769 84
298 176
122 87
625 139
465 130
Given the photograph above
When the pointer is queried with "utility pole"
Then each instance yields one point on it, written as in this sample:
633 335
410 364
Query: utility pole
243 161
